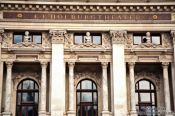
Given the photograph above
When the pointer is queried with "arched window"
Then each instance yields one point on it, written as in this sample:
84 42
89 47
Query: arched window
27 98
145 98
87 98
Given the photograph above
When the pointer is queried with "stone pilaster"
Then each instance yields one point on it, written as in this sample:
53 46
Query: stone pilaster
1 69
42 111
166 87
119 73
132 89
105 110
173 75
71 111
57 73
8 88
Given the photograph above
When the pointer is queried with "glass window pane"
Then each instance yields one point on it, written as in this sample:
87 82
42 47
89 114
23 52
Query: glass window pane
30 111
137 40
86 84
17 39
78 97
156 39
27 97
144 84
78 87
90 110
78 110
36 86
36 97
137 98
37 39
19 87
28 84
19 99
95 97
96 39
78 39
86 97
24 111
145 97
153 98
83 111
95 111
94 86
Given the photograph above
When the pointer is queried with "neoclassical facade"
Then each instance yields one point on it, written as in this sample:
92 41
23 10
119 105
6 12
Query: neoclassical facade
87 58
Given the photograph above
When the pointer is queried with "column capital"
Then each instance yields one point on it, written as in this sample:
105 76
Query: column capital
173 36
71 64
132 64
57 36
9 64
104 64
1 34
118 36
165 64
44 63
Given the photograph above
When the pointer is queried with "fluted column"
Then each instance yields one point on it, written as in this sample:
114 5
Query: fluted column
119 73
105 111
43 89
71 111
166 87
8 93
132 89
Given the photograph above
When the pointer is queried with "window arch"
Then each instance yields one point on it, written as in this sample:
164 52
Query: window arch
27 98
146 101
87 98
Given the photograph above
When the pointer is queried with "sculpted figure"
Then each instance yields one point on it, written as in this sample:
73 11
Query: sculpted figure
26 37
87 38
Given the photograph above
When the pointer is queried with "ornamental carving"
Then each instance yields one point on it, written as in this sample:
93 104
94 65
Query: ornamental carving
7 40
58 36
154 77
129 41
46 41
118 37
166 40
148 45
173 36
96 77
1 34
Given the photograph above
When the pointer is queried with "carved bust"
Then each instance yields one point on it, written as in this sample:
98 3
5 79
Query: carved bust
87 38
26 37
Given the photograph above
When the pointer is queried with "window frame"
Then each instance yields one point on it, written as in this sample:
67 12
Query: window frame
84 34
151 91
30 34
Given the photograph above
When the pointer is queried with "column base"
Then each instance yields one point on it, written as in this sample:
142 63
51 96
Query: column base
6 114
71 113
133 113
42 113
106 113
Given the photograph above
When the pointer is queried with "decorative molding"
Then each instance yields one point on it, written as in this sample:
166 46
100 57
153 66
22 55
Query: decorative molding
96 77
148 45
104 65
153 77
118 37
9 64
86 7
1 35
165 64
58 36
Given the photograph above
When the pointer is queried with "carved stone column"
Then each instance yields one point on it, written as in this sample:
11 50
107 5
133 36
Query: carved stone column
42 111
166 87
58 73
173 65
1 68
8 87
119 73
71 111
105 111
132 89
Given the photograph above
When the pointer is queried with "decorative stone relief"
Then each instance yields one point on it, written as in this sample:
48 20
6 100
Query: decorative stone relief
7 40
26 42
96 77
46 43
129 41
1 34
118 37
58 36
173 36
106 41
154 77
166 41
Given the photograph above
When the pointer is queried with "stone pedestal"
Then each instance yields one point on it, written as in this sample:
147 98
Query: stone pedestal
6 114
106 113
71 113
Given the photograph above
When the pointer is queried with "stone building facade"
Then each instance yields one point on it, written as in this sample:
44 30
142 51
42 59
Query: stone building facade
87 58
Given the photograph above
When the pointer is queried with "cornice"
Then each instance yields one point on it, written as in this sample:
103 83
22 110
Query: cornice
87 7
